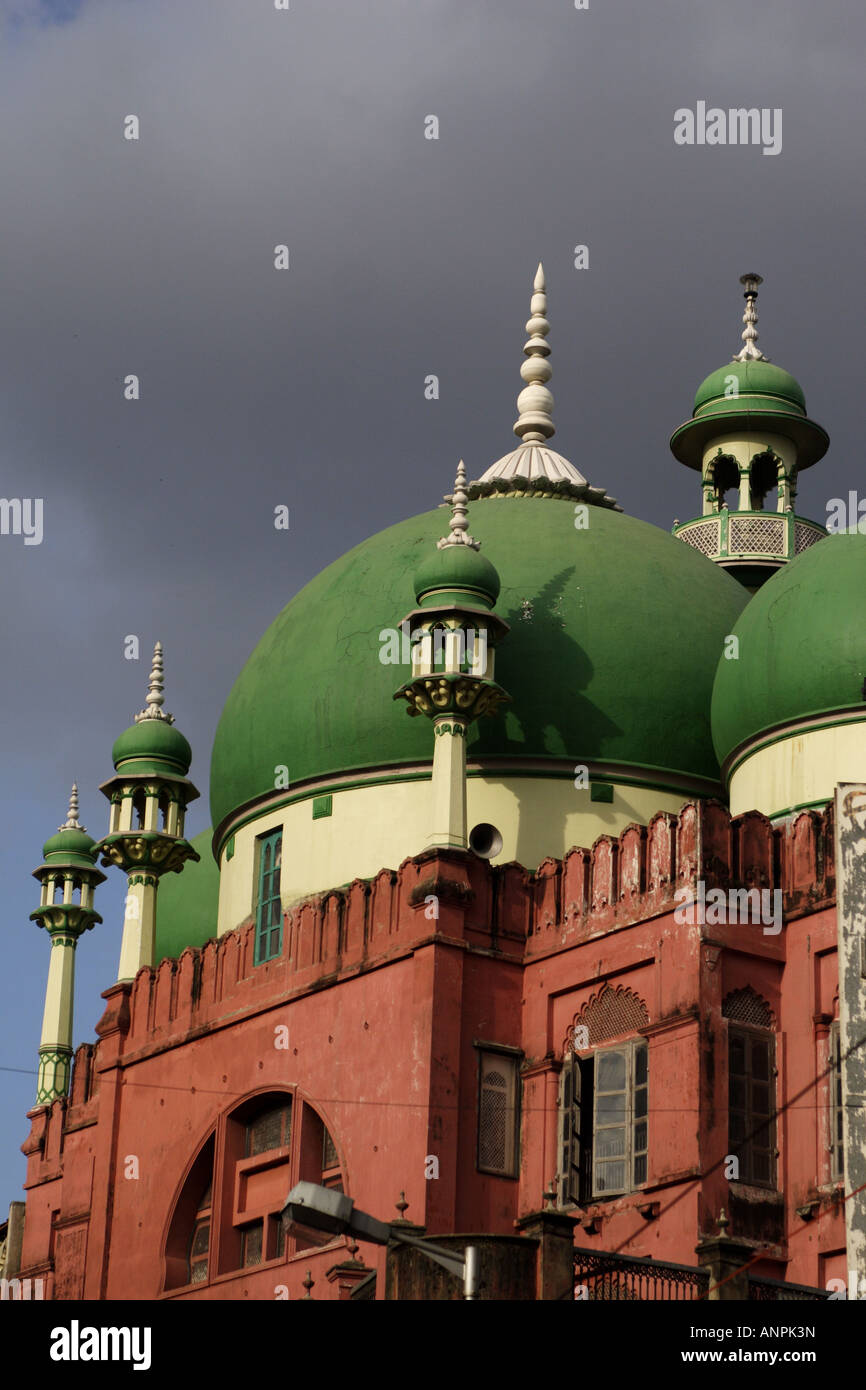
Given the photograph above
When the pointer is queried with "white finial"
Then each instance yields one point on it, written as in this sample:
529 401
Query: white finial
155 697
72 822
749 352
459 533
535 402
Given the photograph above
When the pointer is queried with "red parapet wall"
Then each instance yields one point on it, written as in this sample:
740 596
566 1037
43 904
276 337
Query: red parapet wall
620 880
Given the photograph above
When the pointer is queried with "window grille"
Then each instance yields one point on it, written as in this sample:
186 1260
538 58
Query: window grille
763 535
703 537
498 1113
329 1152
746 1006
611 1013
271 1129
199 1245
804 536
251 1245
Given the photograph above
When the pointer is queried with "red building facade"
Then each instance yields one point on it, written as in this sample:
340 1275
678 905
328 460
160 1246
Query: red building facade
474 1037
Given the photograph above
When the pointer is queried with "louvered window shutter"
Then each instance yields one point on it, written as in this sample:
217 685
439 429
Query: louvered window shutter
571 1127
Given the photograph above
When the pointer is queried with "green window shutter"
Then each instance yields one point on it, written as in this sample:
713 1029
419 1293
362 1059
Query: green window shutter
269 912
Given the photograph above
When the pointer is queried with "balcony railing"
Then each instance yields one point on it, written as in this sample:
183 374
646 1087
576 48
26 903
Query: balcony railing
609 1277
750 535
776 1290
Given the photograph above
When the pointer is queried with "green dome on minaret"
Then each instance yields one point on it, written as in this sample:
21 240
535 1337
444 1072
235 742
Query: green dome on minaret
71 847
152 745
456 571
760 386
751 394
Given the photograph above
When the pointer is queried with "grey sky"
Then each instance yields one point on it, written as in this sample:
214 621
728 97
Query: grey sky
305 387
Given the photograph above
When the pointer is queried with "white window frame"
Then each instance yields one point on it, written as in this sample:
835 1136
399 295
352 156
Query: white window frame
577 1128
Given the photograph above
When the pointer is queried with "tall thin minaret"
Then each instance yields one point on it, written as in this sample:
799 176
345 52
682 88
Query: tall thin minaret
452 634
69 877
149 796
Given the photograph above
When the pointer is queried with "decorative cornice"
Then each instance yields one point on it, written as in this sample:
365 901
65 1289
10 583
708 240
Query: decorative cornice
469 696
68 919
145 849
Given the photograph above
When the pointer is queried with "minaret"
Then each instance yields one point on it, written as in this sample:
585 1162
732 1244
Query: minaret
749 433
68 876
149 797
452 634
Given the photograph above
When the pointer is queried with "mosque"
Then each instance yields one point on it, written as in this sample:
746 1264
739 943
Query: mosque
526 907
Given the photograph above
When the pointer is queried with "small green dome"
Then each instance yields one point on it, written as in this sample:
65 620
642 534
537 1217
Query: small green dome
152 746
761 386
802 645
767 399
615 632
70 846
456 574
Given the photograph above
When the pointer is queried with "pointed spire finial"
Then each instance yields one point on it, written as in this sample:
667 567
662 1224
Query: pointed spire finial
155 697
749 352
459 532
535 402
72 822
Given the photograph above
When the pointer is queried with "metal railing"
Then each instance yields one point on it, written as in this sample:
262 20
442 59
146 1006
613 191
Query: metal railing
776 1290
607 1277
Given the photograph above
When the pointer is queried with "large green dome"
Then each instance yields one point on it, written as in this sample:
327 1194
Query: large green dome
615 634
802 645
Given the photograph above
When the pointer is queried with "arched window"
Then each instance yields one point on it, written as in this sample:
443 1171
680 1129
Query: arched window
763 480
138 806
268 1143
724 473
439 646
604 1100
187 1249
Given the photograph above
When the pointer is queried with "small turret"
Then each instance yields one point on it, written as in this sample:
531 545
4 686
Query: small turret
452 634
749 432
